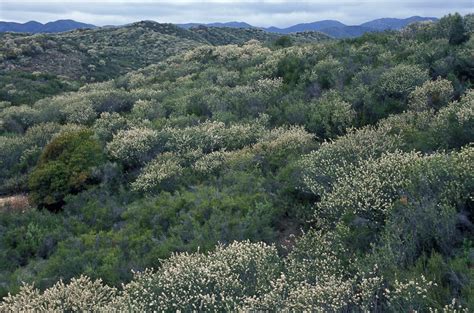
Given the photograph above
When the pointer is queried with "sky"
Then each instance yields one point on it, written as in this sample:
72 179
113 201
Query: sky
263 13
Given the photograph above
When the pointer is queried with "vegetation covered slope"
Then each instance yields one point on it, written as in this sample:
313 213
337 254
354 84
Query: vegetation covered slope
35 66
364 144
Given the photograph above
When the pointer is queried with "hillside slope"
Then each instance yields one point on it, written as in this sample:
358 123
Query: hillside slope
335 176
46 64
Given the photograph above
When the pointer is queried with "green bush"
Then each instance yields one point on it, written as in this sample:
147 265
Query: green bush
290 69
452 27
330 116
283 42
399 81
65 167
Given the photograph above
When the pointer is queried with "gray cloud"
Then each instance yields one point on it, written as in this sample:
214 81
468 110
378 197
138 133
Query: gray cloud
260 13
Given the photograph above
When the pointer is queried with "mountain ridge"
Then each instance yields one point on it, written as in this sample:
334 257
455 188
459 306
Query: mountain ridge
332 28
37 27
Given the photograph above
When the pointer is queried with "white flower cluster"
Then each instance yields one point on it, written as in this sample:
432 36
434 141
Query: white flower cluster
334 158
143 109
368 289
212 161
220 280
431 95
284 139
18 117
130 145
332 114
268 84
210 136
372 187
409 294
402 79
204 143
80 112
242 276
195 148
275 141
462 112
249 51
80 295
108 124
164 166
453 307
315 274
323 166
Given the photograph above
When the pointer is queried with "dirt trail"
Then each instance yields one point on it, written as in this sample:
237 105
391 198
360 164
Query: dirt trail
16 203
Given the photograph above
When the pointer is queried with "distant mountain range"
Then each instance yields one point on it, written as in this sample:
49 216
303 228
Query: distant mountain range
332 28
36 27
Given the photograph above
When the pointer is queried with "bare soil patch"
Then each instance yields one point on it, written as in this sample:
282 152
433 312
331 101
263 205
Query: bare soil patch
16 203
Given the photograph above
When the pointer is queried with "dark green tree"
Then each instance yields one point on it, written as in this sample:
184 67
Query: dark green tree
65 167
283 42
452 26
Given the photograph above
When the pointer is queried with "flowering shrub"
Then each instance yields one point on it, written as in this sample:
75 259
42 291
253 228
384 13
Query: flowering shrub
108 124
431 95
23 152
330 116
212 161
409 295
400 80
206 137
241 276
323 166
144 109
194 149
164 166
227 78
450 127
80 295
371 188
316 274
17 118
220 280
250 52
284 139
328 72
132 146
79 112
454 124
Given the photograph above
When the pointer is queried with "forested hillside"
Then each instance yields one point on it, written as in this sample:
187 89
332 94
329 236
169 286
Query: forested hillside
36 66
258 173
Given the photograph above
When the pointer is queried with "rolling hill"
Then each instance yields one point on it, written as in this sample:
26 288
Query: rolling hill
263 176
335 176
45 64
